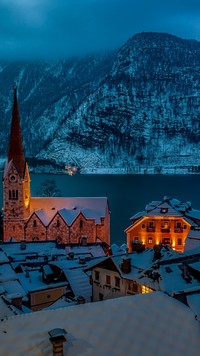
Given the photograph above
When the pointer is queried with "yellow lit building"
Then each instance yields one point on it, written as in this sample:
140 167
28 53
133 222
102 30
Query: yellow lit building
166 222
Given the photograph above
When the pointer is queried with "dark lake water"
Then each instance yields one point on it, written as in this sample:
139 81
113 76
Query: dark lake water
127 194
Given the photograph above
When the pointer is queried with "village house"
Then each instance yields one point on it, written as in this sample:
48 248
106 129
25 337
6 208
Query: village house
166 222
66 220
117 276
35 275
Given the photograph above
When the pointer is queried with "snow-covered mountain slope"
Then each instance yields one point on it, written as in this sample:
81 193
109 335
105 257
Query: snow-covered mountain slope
138 108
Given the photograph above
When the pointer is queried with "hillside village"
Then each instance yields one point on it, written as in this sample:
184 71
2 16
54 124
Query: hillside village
56 263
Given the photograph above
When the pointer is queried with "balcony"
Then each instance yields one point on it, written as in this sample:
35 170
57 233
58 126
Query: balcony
178 229
165 229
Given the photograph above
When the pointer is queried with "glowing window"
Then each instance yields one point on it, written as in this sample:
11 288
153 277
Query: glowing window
146 290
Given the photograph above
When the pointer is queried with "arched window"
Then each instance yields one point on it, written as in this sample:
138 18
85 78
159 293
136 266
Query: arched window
58 223
81 224
34 223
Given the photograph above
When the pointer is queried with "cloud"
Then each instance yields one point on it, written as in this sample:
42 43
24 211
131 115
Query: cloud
59 28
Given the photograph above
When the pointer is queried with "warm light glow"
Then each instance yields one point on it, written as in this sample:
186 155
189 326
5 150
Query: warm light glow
146 290
26 200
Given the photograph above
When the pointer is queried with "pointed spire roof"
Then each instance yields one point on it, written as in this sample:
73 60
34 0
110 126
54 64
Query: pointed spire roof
16 151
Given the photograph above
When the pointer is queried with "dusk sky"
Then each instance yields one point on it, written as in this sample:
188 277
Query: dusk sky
63 28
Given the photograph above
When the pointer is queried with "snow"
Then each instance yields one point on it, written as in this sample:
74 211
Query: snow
193 301
69 208
130 325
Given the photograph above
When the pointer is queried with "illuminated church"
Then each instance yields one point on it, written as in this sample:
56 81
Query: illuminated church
66 220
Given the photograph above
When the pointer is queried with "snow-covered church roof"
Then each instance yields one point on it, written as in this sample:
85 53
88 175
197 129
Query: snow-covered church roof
69 208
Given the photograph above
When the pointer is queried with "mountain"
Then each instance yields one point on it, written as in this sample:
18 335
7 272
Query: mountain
139 107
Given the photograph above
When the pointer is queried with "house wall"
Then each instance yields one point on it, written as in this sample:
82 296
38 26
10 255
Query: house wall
35 230
82 227
58 230
102 290
103 229
157 234
43 298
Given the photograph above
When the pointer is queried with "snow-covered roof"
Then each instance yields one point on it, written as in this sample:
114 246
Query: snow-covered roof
69 208
79 283
170 207
150 324
34 282
193 301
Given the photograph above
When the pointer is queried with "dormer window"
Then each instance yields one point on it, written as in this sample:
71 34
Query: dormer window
164 210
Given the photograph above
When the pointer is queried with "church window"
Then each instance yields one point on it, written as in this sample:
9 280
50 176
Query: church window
59 240
81 224
13 194
58 223
34 223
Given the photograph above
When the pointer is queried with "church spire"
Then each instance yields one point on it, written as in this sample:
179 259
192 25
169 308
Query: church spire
16 151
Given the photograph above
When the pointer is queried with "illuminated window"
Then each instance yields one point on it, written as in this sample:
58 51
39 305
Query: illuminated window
163 210
96 275
150 240
151 224
108 279
146 290
165 225
117 282
179 241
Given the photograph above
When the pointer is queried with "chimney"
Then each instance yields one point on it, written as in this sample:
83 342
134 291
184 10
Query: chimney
126 265
57 338
15 299
80 300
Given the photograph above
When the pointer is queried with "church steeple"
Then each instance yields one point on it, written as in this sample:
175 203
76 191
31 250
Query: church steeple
16 151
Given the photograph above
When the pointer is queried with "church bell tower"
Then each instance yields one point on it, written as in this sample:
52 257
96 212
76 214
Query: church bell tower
16 182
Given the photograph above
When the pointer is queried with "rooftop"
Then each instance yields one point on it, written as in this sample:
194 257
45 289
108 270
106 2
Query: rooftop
98 328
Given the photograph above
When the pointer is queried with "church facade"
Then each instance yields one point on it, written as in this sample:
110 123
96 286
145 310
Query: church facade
66 220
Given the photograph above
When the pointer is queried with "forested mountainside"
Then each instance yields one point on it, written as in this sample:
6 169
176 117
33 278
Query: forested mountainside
137 107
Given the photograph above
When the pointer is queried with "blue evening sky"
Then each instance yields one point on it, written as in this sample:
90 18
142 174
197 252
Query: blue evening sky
63 28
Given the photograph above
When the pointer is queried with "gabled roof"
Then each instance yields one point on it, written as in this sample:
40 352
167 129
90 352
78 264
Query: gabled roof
69 208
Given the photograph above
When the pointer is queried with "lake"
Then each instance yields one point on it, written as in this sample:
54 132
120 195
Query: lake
127 194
